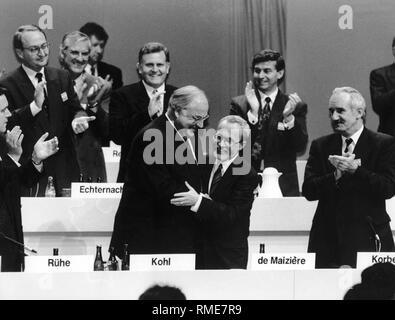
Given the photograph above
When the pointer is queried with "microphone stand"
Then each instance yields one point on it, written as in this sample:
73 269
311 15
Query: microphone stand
18 243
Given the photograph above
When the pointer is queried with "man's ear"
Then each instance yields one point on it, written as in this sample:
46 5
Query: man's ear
280 74
138 67
19 53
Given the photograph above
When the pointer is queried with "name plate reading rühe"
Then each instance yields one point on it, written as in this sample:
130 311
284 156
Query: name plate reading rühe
59 263
366 259
283 261
96 190
162 262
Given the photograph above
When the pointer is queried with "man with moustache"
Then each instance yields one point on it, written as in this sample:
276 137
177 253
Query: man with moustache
277 120
136 105
224 210
96 67
161 159
12 177
92 92
44 101
351 173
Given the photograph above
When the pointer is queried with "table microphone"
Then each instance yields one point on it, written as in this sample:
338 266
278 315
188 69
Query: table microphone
18 243
377 240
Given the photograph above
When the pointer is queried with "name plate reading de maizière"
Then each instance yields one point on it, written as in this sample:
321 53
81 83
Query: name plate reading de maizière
366 259
59 263
96 190
283 261
162 262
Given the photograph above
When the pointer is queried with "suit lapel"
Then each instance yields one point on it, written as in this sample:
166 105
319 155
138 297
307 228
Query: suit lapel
362 147
142 97
25 85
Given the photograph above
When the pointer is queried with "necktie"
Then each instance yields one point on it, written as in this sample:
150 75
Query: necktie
39 77
348 142
160 105
266 109
93 70
216 178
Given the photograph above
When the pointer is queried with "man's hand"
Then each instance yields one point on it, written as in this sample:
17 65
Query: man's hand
185 199
99 90
155 104
251 98
14 142
39 95
346 163
289 108
44 149
81 124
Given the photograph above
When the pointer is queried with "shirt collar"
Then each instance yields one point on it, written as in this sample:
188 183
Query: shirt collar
149 89
355 136
272 96
225 164
32 74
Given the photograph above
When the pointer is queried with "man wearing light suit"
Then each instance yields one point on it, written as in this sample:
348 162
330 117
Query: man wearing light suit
134 106
44 100
277 120
351 173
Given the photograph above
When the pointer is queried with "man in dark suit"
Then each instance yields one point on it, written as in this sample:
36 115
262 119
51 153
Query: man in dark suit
224 211
93 94
136 105
96 67
12 176
351 173
382 93
44 101
277 120
161 159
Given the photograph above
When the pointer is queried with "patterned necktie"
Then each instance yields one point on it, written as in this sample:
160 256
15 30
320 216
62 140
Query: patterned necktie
348 142
216 178
39 77
155 91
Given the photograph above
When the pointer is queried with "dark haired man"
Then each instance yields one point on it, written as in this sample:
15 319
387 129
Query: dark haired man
135 105
96 67
277 120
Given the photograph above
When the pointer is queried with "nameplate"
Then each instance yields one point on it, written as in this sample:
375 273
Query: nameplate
112 153
283 261
59 263
162 262
366 259
96 190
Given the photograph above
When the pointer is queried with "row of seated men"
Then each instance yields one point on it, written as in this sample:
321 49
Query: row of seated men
350 172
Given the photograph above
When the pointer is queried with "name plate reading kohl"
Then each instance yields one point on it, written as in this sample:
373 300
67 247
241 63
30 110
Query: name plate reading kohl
59 263
283 261
162 262
96 190
366 259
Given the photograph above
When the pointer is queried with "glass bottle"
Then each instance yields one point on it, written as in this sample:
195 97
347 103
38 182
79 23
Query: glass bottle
112 260
125 259
81 178
99 180
50 189
55 251
262 248
98 265
89 179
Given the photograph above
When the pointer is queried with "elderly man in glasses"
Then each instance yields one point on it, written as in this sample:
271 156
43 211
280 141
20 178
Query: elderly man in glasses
223 208
44 100
162 157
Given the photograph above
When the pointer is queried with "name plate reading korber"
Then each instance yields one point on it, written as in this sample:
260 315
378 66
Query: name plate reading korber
366 259
96 190
59 263
283 261
162 262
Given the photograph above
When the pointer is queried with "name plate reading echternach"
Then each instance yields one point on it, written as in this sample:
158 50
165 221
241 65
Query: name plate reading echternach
366 259
96 190
82 263
283 261
162 262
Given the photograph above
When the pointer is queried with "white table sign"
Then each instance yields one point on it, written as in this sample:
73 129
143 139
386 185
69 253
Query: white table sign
162 262
96 190
80 263
366 259
283 261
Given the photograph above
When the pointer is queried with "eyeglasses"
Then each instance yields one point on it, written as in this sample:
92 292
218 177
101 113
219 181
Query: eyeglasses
198 118
36 49
226 141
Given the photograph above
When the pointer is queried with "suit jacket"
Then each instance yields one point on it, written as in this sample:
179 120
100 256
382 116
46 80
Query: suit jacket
145 219
382 93
104 69
63 106
89 143
128 115
11 179
281 147
350 210
225 221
